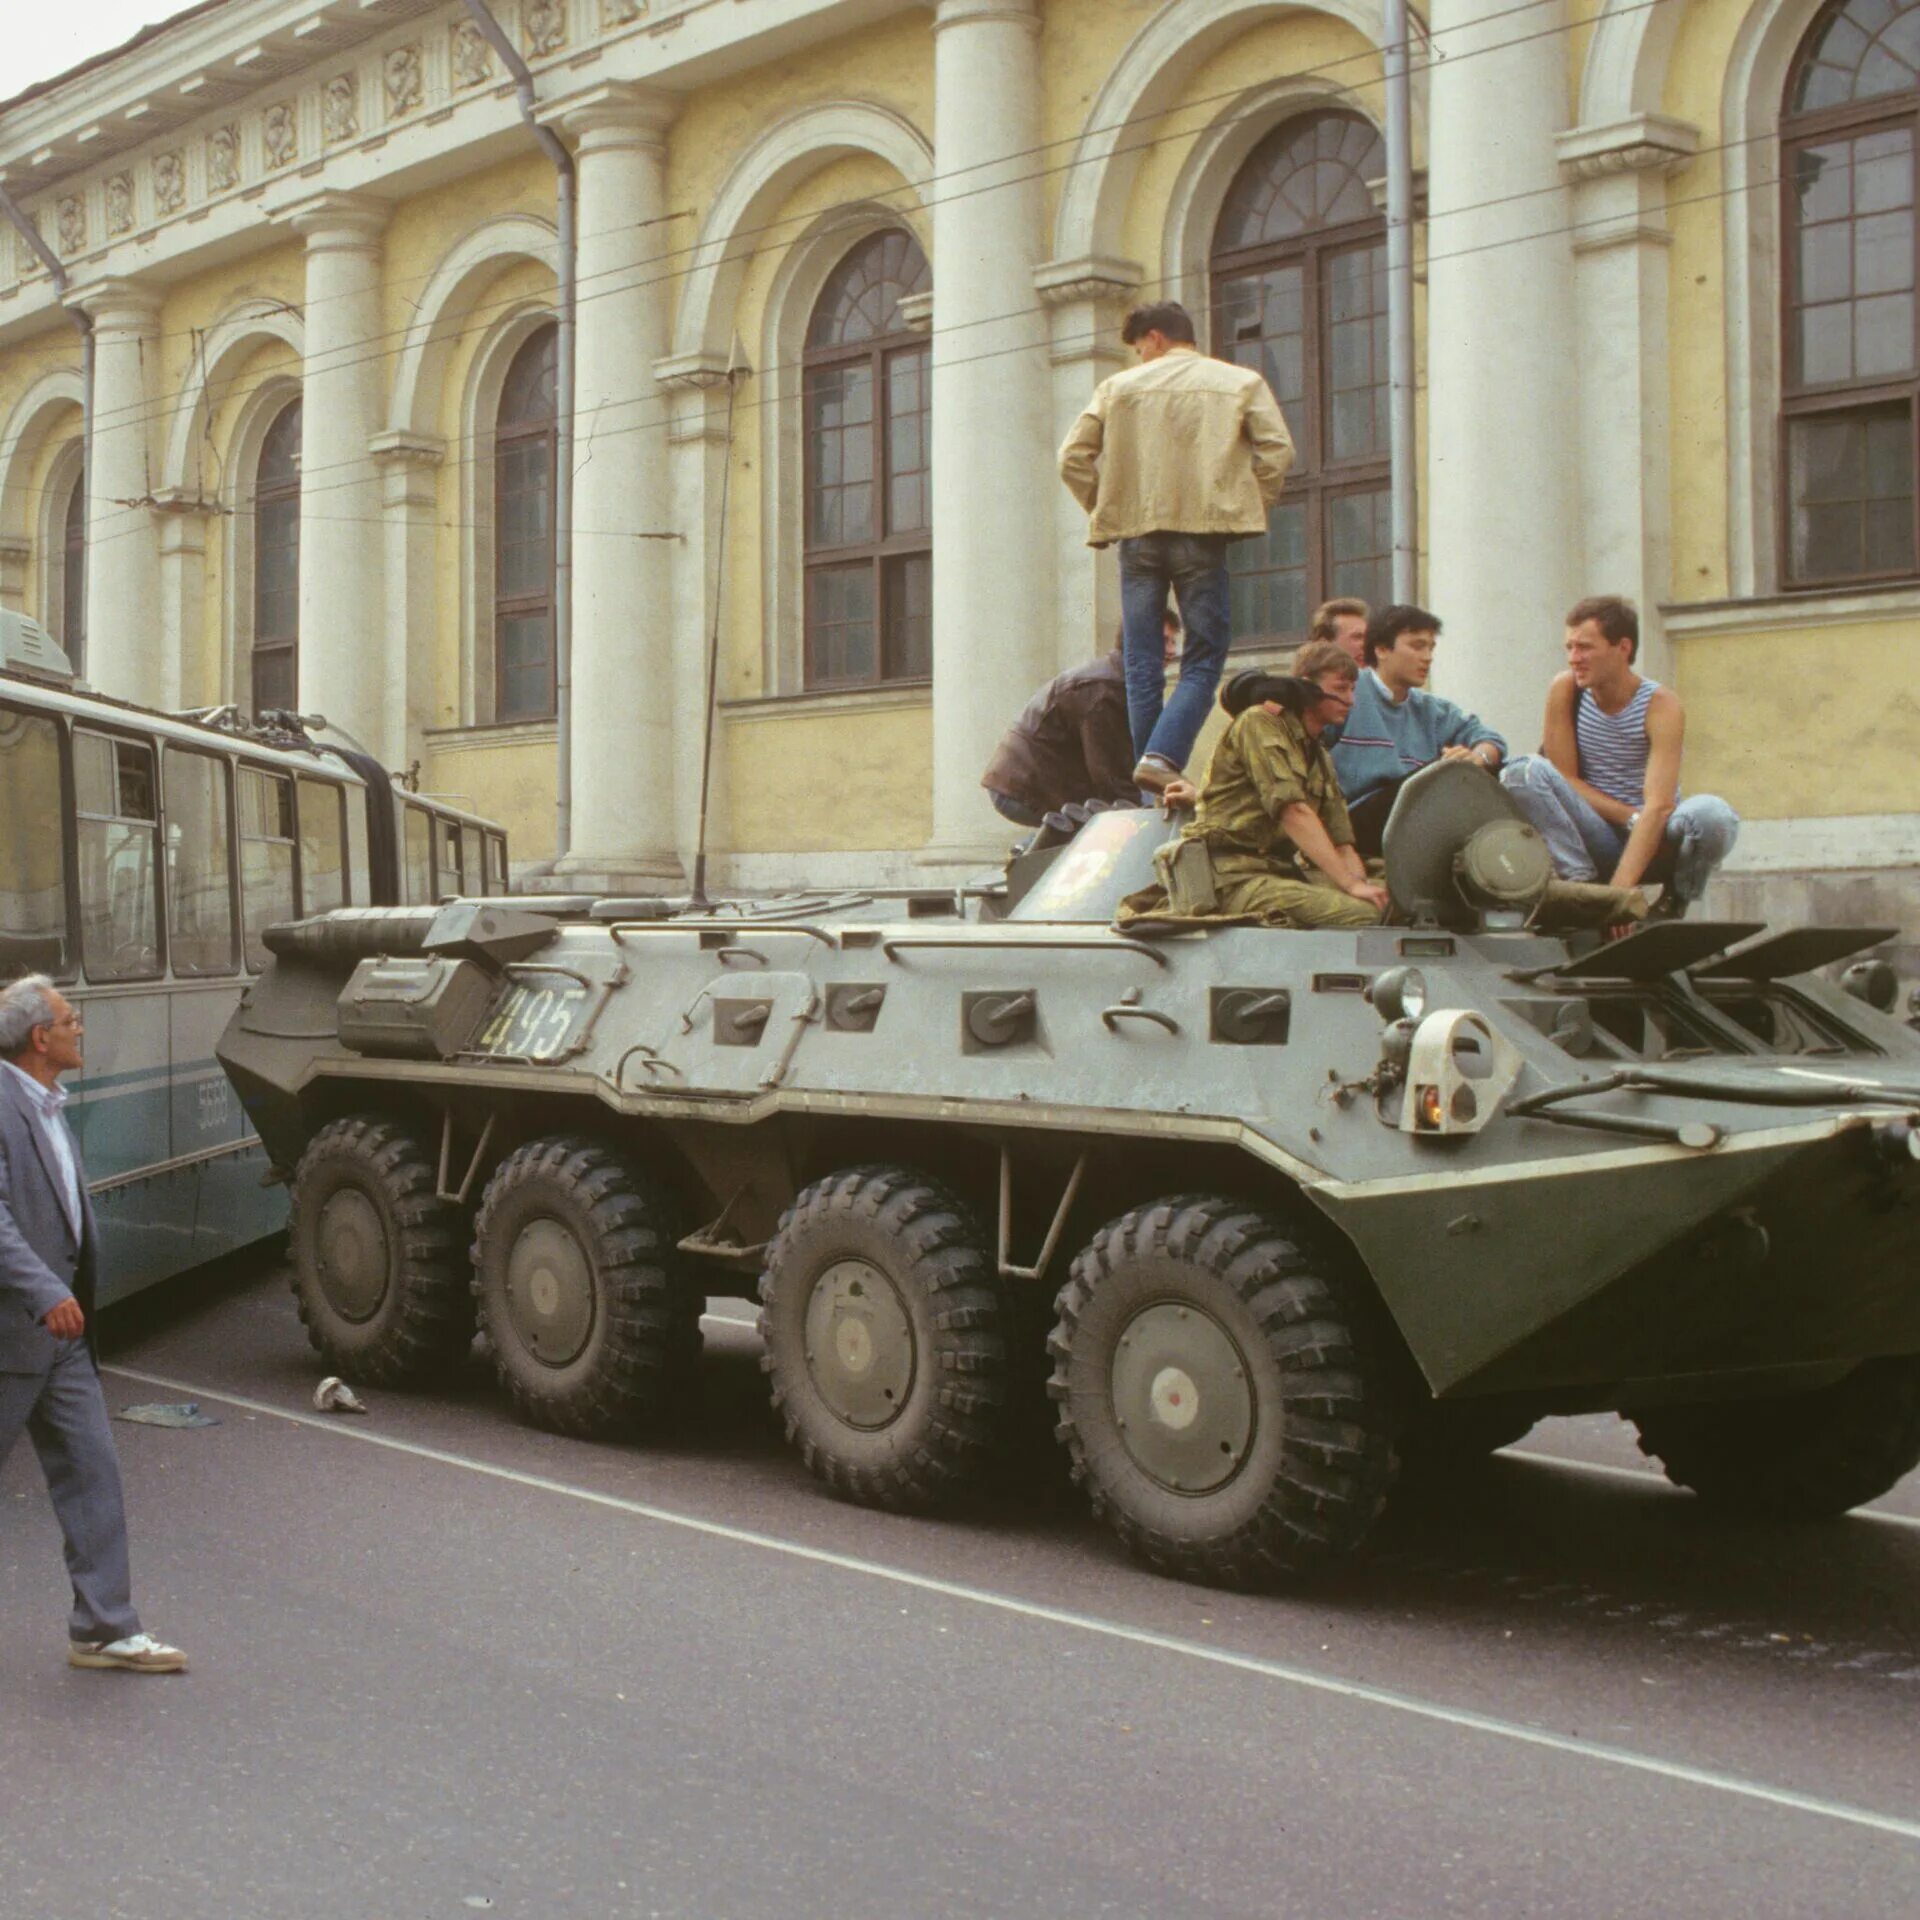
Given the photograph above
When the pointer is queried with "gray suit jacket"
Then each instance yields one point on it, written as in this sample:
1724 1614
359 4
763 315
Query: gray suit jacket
40 1261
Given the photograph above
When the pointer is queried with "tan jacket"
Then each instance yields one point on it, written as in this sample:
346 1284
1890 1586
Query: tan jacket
1181 444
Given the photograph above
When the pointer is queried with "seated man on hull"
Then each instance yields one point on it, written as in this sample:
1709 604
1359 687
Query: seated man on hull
1604 791
1344 621
1397 726
1269 821
1073 742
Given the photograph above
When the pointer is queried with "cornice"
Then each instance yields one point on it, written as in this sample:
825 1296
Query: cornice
1641 143
1091 277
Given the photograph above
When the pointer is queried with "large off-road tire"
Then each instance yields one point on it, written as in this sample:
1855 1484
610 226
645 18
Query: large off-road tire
380 1270
1800 1456
585 1298
1218 1396
883 1320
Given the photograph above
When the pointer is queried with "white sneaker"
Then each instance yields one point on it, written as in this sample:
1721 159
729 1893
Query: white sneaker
137 1653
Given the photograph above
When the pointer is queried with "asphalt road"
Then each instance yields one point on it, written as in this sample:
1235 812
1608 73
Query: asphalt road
444 1665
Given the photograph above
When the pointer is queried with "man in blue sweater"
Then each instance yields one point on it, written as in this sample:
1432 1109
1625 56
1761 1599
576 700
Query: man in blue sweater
1397 726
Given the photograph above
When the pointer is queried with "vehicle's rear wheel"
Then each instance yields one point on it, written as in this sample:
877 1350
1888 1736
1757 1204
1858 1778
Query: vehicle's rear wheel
380 1270
1218 1397
883 1320
1802 1456
583 1293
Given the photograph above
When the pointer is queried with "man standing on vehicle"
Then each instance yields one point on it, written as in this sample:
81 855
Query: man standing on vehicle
1072 742
1397 726
1604 792
49 1250
1173 459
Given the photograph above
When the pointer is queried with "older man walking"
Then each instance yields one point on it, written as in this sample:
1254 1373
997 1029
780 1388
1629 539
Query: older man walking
1174 458
49 1250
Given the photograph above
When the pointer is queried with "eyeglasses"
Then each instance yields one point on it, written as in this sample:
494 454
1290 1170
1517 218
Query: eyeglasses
68 1020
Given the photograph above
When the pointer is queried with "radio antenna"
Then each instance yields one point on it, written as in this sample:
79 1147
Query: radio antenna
737 371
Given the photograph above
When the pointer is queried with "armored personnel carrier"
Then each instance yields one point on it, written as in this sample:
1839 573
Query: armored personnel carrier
1264 1212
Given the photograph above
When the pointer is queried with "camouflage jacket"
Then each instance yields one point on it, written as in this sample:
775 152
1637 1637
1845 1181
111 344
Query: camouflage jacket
1263 763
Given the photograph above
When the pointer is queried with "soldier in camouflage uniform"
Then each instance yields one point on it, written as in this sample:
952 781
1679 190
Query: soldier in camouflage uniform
1270 813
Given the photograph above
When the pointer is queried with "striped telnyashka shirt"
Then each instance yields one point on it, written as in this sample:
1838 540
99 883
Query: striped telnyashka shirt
1613 746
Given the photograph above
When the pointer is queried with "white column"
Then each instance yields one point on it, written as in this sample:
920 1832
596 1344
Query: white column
123 556
623 732
409 496
1503 384
994 519
1086 301
696 388
1620 242
181 525
344 632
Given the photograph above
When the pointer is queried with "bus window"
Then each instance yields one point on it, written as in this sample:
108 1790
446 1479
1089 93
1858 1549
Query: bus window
266 856
33 863
119 877
496 863
419 857
448 835
323 873
199 870
470 860
359 874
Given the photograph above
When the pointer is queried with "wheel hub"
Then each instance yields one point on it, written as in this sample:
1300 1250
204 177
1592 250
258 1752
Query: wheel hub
860 1347
1182 1397
355 1257
550 1292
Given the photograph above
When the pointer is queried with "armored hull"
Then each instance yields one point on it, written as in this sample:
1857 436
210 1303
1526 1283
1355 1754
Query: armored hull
1295 1205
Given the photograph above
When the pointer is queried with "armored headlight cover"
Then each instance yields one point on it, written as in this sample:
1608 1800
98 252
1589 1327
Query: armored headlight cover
1399 994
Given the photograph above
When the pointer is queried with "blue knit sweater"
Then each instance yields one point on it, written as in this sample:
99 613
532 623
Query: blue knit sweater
1381 742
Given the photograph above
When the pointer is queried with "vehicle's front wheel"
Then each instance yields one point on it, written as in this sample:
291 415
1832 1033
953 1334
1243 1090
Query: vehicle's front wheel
1218 1396
1803 1456
885 1342
380 1270
583 1293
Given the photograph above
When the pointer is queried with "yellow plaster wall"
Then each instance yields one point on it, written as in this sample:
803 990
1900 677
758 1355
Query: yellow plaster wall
511 780
1696 304
841 782
1848 746
191 308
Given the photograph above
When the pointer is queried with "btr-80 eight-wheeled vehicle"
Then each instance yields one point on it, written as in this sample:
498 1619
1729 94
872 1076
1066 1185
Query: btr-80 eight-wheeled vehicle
1311 1202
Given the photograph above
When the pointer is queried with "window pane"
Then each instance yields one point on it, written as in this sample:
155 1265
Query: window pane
861 300
273 678
1309 172
1261 323
1859 51
33 874
119 938
909 418
93 773
419 858
1850 480
525 689
1854 258
1360 545
840 623
839 458
446 834
496 864
199 878
1268 577
266 857
908 582
323 874
471 868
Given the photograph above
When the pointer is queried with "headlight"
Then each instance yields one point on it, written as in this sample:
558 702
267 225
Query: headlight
1399 994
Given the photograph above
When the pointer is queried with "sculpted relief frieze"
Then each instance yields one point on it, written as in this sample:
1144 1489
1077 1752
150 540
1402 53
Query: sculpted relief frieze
406 84
545 22
119 198
340 109
170 181
472 57
280 133
223 158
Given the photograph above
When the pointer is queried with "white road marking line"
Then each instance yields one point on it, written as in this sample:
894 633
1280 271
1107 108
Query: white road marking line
1410 1704
1652 1476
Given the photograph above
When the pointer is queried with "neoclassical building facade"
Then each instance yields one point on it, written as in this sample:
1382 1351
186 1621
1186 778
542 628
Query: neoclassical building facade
846 271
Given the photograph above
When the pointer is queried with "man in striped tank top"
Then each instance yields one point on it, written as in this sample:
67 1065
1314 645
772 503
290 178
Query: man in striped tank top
1604 790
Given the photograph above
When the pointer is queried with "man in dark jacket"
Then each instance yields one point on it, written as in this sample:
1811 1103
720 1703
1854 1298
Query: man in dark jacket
1073 742
49 1244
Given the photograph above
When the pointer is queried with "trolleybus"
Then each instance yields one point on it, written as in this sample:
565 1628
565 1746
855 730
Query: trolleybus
142 856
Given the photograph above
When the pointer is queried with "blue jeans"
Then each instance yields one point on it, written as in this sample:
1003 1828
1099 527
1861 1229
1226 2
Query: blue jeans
1194 565
1700 833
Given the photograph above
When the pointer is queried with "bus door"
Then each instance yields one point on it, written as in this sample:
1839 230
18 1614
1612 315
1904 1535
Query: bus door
121 1104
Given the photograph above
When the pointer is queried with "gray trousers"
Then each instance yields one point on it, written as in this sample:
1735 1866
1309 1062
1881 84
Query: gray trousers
65 1412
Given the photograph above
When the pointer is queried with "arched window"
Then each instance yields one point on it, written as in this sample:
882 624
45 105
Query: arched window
526 442
868 409
73 587
276 564
1852 351
1299 271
